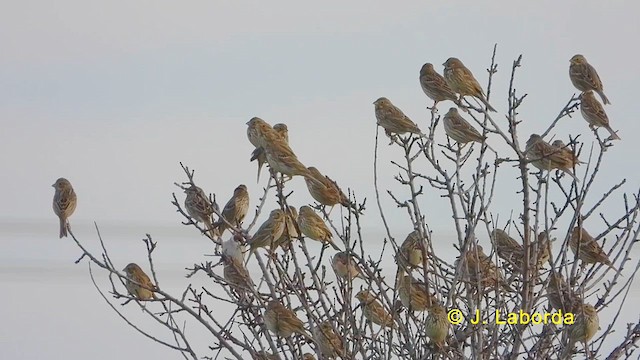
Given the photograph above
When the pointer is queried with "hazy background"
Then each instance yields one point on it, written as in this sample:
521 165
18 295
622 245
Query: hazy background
113 95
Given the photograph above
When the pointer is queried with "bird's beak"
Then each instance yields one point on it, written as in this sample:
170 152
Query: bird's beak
54 185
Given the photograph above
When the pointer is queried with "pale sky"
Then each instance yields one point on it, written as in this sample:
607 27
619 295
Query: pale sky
113 95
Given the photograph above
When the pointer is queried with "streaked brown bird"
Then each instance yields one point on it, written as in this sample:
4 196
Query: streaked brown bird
138 283
64 203
235 247
308 356
508 248
373 310
547 157
268 233
586 325
392 119
543 244
413 294
346 267
567 152
559 294
290 232
434 85
413 251
324 190
235 210
481 269
313 227
259 153
199 208
460 130
594 113
263 355
329 343
282 159
584 76
257 129
587 249
461 80
283 321
437 325
237 275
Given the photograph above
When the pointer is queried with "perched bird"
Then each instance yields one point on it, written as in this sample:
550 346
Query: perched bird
543 245
324 190
235 210
584 76
329 343
263 355
290 232
282 159
257 129
268 232
282 321
413 294
64 203
461 80
482 270
346 267
460 130
437 325
237 275
259 154
138 283
547 157
585 247
308 356
508 248
392 119
234 248
594 113
312 226
585 326
413 251
199 207
567 152
373 310
559 294
434 85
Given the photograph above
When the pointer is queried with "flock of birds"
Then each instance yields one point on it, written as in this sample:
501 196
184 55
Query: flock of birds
285 224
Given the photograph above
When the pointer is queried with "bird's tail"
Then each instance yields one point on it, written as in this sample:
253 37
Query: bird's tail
605 100
486 103
614 135
63 228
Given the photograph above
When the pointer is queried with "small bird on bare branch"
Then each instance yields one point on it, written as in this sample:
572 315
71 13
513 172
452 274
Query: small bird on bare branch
435 86
461 80
594 113
585 326
235 210
259 153
283 321
547 157
392 119
587 249
138 283
373 310
413 251
199 208
268 233
329 343
324 190
413 294
585 77
437 325
64 203
313 227
460 130
346 267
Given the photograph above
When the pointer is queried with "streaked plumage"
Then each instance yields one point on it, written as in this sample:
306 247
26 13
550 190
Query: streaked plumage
586 325
289 233
437 325
282 159
269 232
508 248
283 321
413 294
481 269
392 119
143 288
435 86
460 130
346 267
594 113
235 210
199 207
313 227
587 249
324 190
461 80
547 157
237 275
566 152
329 343
412 249
257 129
64 203
559 294
373 310
585 77
259 153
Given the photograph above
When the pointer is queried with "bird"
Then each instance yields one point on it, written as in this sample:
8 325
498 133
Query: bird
237 275
282 159
585 326
482 270
138 283
567 152
312 226
259 154
508 248
585 77
413 294
290 232
329 343
585 247
64 203
392 119
282 321
459 129
235 210
268 232
543 245
199 208
234 247
263 355
461 80
547 157
413 251
324 190
257 129
437 325
594 113
559 294
346 267
435 86
373 310
308 356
